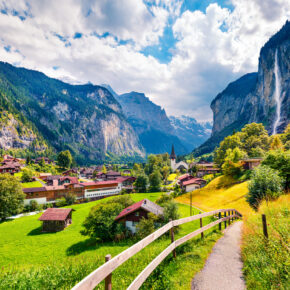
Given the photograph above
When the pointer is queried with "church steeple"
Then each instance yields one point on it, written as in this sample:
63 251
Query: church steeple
172 155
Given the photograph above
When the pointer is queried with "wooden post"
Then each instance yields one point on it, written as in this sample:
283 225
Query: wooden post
190 203
200 223
108 279
264 221
220 224
229 213
225 214
172 240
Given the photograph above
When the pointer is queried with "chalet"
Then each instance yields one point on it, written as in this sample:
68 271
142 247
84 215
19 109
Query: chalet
111 175
251 163
126 182
184 178
46 160
56 219
193 184
99 189
70 172
9 168
87 172
204 168
44 176
132 215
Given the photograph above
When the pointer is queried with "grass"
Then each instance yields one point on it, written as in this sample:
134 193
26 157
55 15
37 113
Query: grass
30 259
31 184
267 262
222 192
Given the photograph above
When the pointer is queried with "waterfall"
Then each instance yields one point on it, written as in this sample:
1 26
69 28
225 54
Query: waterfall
277 94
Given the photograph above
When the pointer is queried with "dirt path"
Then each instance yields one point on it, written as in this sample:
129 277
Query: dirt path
223 268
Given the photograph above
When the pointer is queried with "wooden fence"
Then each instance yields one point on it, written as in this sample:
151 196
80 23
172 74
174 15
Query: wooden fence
105 271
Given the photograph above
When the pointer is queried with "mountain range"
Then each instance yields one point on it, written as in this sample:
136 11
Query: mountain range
261 97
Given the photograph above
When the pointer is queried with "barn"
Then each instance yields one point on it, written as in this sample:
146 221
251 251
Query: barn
56 219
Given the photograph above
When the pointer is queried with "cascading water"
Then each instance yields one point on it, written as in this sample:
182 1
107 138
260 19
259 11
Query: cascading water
277 94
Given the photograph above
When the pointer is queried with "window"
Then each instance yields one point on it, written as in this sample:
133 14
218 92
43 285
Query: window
137 213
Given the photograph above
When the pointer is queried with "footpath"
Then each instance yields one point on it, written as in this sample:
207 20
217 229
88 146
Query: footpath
223 268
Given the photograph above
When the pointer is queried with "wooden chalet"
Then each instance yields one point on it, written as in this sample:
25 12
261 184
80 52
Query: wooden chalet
132 215
56 219
111 175
204 168
251 163
10 168
193 184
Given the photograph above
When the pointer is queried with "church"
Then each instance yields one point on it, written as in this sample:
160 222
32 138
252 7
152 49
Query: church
176 166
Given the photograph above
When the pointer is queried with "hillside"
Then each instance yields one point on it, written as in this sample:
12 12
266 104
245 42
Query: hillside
222 192
256 97
85 119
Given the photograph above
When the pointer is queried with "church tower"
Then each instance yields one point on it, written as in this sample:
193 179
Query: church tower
173 158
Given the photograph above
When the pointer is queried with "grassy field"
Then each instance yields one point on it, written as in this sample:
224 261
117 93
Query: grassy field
31 184
30 259
221 192
267 262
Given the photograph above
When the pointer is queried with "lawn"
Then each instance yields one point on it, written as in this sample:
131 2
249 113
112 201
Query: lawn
32 259
31 184
222 192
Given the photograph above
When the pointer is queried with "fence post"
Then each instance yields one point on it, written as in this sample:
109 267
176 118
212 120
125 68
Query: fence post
229 213
200 223
190 203
225 214
265 230
172 240
220 224
108 279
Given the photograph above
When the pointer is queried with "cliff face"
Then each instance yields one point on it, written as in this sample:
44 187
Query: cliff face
151 123
85 119
189 131
261 97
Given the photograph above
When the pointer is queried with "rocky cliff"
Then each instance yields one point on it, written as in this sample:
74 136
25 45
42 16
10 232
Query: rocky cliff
261 97
189 131
85 119
151 123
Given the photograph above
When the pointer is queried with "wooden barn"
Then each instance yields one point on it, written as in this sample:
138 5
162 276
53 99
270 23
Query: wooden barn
56 219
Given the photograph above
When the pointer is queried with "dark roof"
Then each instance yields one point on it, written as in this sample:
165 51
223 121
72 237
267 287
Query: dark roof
33 189
184 176
53 177
172 155
113 173
71 179
145 204
55 214
194 181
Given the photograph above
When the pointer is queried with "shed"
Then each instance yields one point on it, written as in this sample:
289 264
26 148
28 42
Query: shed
56 219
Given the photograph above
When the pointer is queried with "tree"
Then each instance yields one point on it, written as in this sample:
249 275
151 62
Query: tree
276 143
27 175
28 160
33 205
146 226
11 196
163 199
165 172
265 184
64 159
232 165
42 163
170 211
155 181
104 169
141 183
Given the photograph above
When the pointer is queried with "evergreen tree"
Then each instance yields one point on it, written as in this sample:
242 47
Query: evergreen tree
64 159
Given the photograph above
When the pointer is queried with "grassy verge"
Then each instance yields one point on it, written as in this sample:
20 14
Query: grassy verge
30 259
266 263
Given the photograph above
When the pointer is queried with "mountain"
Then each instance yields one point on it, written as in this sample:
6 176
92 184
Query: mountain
190 132
85 119
261 97
150 122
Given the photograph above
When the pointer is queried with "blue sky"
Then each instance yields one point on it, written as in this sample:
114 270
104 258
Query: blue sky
180 53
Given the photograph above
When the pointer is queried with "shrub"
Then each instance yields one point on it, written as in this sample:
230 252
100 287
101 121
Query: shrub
163 199
265 184
60 202
26 175
170 211
33 205
70 199
146 226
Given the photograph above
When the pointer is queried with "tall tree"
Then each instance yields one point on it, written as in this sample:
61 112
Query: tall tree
155 181
141 183
64 159
11 196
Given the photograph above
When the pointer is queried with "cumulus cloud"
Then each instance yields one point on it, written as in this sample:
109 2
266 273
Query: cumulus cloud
102 42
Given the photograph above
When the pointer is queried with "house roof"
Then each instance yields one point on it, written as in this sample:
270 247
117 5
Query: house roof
145 204
181 177
71 179
99 182
193 181
33 189
113 173
55 214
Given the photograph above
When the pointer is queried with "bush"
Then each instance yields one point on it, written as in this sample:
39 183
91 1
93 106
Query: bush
170 211
146 226
60 202
265 184
33 205
163 199
26 175
70 199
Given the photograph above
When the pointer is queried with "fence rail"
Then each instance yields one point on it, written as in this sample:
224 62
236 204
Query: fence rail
104 271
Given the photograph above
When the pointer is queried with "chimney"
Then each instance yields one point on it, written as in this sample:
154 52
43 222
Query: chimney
54 182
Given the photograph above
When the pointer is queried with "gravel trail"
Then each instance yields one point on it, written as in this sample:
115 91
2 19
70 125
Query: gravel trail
223 268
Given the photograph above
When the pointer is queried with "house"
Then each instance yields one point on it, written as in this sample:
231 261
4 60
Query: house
70 172
87 173
44 176
204 168
9 168
176 166
132 215
126 182
111 175
46 160
251 163
127 171
56 219
98 189
184 178
193 184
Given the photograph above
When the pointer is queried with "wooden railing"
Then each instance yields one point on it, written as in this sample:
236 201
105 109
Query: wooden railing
105 271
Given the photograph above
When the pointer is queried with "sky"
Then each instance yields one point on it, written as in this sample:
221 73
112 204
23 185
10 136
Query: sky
180 53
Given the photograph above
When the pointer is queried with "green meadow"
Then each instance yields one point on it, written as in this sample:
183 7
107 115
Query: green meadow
30 259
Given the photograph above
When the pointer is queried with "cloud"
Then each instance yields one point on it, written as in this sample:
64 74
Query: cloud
102 42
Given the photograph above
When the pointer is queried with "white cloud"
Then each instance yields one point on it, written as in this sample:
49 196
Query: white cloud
212 49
